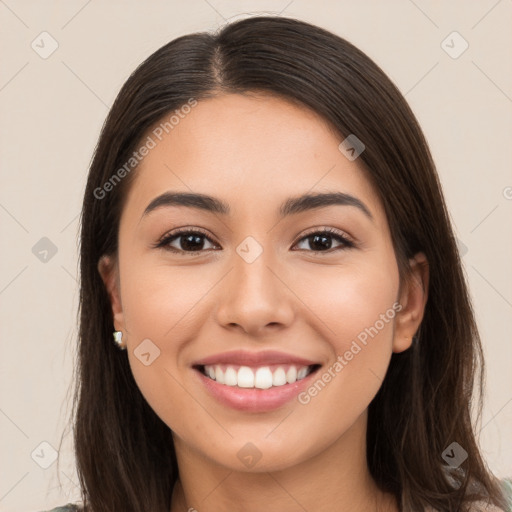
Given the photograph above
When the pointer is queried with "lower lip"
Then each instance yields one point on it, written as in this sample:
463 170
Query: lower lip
254 399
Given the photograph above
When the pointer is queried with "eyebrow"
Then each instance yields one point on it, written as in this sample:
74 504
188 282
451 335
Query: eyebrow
292 205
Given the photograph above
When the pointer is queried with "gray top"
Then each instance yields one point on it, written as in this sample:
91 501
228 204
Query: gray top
505 483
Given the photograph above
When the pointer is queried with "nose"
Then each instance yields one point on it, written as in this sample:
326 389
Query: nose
255 297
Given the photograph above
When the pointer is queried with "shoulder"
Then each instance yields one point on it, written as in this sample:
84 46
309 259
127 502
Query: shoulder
70 507
482 506
506 486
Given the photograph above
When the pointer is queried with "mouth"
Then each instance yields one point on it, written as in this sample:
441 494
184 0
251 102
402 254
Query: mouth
254 381
259 377
255 389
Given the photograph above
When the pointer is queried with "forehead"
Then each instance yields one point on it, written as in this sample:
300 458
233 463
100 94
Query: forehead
248 150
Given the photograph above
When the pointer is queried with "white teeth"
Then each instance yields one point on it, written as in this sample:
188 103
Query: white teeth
219 374
230 378
291 375
302 373
245 377
261 378
279 377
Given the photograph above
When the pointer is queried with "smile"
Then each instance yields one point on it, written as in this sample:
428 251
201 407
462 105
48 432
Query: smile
263 377
254 381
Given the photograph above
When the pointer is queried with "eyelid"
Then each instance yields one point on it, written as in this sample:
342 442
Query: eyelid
326 229
178 231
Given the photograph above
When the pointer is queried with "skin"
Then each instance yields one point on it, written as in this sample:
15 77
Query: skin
254 152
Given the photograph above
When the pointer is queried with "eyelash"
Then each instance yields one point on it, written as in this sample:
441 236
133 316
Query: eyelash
175 235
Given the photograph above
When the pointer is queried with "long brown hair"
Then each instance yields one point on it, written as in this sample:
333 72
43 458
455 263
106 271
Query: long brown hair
124 452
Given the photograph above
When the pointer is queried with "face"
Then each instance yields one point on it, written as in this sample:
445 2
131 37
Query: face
259 293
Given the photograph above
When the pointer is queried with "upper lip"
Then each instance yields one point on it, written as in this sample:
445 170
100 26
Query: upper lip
245 358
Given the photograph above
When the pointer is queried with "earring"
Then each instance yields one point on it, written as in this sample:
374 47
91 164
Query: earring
118 340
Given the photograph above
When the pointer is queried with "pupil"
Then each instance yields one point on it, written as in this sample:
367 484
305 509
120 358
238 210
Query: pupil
192 242
322 240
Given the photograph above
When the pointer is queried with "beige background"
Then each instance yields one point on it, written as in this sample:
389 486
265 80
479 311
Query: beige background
51 113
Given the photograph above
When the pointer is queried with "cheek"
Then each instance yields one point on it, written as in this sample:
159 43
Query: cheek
158 304
357 311
159 299
352 301
165 305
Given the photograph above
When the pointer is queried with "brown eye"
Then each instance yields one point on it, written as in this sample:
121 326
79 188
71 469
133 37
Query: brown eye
186 241
322 241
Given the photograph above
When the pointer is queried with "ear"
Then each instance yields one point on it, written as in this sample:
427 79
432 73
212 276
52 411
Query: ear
413 298
109 272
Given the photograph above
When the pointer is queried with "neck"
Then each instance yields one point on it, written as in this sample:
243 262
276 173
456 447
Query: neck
335 479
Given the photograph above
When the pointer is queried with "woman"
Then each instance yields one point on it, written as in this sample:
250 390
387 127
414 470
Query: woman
264 231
